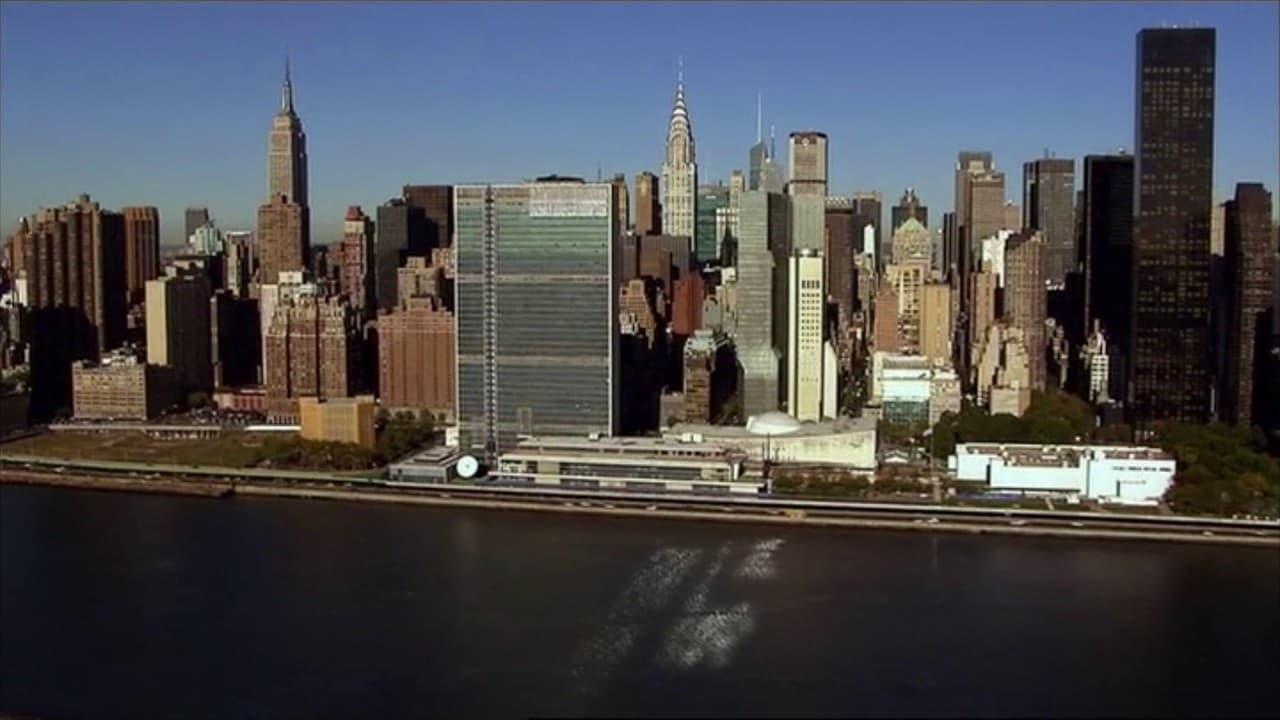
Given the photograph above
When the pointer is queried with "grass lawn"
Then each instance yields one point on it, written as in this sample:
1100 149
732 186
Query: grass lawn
231 449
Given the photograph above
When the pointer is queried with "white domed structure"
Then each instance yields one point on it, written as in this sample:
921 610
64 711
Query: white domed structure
774 422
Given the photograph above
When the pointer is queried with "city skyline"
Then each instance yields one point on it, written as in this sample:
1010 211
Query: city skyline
210 153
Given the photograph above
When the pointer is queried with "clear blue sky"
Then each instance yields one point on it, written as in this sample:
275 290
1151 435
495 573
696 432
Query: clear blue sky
169 104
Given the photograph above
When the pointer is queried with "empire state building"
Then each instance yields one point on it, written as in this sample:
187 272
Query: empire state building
287 154
284 222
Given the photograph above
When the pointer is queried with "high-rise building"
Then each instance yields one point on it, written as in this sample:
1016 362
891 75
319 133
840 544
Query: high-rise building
1025 297
435 203
908 280
680 172
535 327
935 322
206 240
805 351
287 156
984 288
762 273
868 207
312 351
1173 171
648 206
1012 216
238 267
141 249
282 239
1250 263
686 304
908 207
708 376
622 203
401 232
911 243
1106 248
417 356
711 198
73 259
808 222
884 329
357 273
1217 230
1048 196
808 164
842 246
419 278
178 332
235 339
194 217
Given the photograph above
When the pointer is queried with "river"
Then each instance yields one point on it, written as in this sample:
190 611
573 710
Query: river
115 604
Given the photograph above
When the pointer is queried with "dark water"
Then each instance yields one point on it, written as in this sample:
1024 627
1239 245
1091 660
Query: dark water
134 605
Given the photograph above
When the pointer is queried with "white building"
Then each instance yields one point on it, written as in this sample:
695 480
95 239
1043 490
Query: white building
1115 474
684 464
811 369
911 388
848 442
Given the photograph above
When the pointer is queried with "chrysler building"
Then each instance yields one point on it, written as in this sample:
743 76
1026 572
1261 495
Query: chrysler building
679 172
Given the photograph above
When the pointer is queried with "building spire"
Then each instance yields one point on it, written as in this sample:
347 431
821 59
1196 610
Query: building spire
680 71
286 91
759 117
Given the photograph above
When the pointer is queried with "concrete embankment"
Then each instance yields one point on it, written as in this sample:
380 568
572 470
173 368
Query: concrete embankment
604 507
738 516
198 488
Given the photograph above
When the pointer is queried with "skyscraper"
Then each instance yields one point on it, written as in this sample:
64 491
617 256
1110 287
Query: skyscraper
908 207
806 299
287 156
1025 298
178 333
284 222
282 239
648 206
537 328
711 198
622 203
74 264
761 335
141 249
1250 264
842 246
401 232
808 164
1048 196
417 356
1107 248
435 203
868 208
1173 171
679 172
357 274
194 217
312 351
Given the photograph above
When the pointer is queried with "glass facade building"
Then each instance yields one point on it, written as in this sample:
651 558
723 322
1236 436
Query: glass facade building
536 312
710 199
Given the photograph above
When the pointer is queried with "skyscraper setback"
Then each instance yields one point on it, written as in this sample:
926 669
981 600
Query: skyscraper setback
1173 169
284 222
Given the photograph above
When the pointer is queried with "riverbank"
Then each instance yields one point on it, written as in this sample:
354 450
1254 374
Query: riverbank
608 507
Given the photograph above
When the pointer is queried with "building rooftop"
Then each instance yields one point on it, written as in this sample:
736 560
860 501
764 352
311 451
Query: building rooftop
1059 455
807 429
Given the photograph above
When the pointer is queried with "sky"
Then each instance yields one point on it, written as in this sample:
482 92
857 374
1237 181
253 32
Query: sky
169 104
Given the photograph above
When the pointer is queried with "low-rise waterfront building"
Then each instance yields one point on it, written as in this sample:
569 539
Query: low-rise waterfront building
630 463
1109 473
121 387
346 420
848 443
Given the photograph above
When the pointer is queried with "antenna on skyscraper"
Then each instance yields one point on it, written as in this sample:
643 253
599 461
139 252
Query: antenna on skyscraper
599 175
772 147
759 117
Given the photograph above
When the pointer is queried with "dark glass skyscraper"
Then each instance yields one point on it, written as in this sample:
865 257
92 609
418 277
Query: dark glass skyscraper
1173 173
1107 248
1249 265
